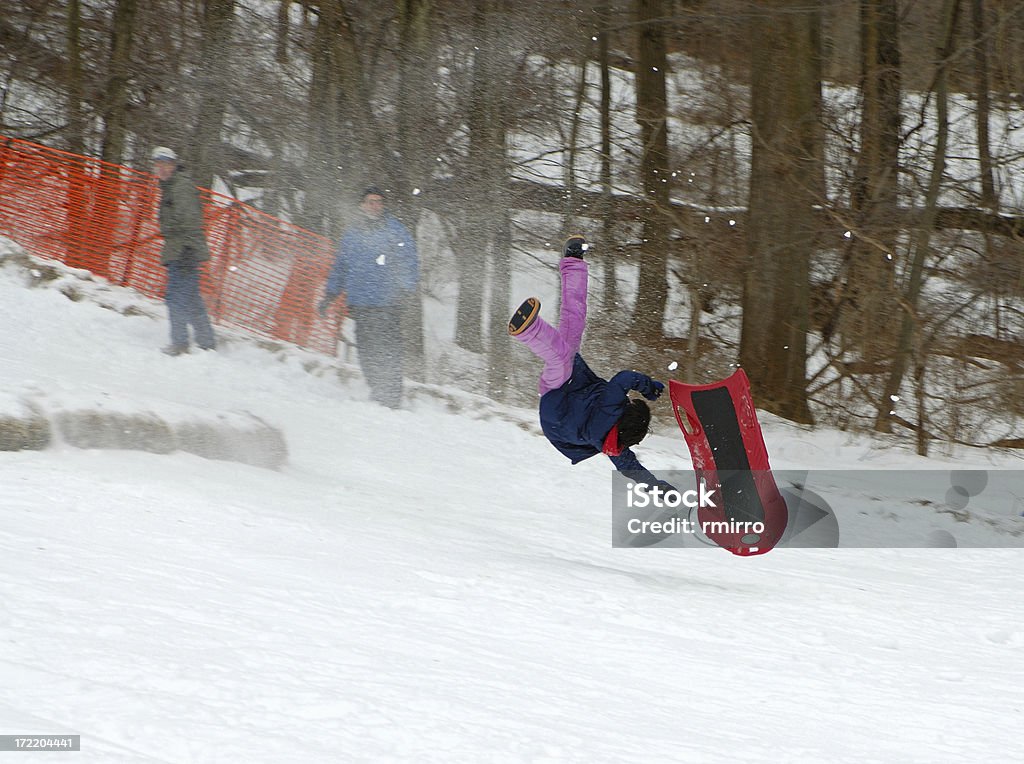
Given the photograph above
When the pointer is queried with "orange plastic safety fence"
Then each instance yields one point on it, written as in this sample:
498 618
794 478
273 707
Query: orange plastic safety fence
264 275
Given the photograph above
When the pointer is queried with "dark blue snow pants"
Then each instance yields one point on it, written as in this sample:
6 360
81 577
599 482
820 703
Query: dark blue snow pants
185 306
381 351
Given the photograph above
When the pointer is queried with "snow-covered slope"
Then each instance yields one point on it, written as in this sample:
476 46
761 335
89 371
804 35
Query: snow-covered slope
434 586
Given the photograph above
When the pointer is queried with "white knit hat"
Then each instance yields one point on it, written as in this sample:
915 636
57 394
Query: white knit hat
163 154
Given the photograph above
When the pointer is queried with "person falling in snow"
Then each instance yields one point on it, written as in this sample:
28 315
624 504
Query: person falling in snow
580 413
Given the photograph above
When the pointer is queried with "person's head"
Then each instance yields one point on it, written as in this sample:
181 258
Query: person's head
165 161
372 203
634 423
630 429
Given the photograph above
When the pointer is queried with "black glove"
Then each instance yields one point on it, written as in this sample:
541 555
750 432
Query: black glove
666 487
651 389
323 305
575 246
663 489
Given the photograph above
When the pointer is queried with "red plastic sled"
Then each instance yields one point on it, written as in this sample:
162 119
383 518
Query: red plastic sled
721 429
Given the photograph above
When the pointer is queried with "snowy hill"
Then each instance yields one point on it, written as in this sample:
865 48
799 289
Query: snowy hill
436 586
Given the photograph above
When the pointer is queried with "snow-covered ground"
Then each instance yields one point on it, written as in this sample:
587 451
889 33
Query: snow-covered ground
423 585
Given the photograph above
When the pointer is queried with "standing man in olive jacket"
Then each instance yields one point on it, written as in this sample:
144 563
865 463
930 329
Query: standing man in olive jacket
184 249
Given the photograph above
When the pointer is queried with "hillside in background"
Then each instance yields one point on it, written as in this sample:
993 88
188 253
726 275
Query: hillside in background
869 279
437 583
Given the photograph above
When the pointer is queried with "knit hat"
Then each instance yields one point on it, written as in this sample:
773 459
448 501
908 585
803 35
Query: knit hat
374 190
163 154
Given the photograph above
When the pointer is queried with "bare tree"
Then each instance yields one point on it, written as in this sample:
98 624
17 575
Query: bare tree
214 86
607 210
75 86
115 103
651 115
475 236
921 247
786 182
329 159
982 84
869 296
416 101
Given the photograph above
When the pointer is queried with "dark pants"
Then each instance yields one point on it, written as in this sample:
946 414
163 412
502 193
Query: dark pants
381 351
185 306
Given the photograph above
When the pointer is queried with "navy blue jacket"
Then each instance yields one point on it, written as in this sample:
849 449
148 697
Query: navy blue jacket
577 416
376 262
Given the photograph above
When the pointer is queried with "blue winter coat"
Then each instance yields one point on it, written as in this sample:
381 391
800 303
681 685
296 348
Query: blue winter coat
376 262
577 416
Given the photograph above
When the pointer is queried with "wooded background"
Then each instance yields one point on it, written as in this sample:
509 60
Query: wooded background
823 192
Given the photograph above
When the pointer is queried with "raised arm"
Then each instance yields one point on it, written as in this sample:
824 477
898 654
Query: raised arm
624 381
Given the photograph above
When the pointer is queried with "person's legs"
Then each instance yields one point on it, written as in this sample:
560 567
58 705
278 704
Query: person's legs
379 347
197 315
558 347
393 350
177 306
547 343
572 318
368 346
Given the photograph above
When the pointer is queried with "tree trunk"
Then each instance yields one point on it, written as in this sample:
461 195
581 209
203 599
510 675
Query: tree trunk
322 116
869 298
75 87
651 113
610 292
115 117
476 234
922 237
329 160
281 32
499 357
470 261
214 84
572 205
981 87
786 182
416 112
374 161
80 221
415 124
982 84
